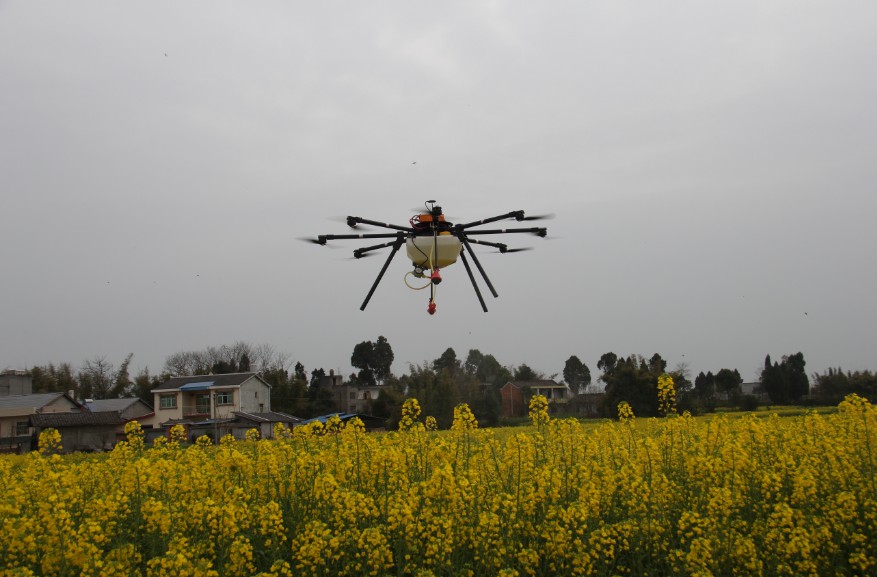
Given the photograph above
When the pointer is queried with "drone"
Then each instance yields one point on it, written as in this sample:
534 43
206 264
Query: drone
433 243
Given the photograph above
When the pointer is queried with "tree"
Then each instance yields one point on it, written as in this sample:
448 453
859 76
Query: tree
633 380
244 364
281 399
240 356
389 406
96 378
382 361
729 383
362 360
786 381
773 382
373 360
799 384
834 385
473 361
680 379
317 376
607 363
705 385
320 400
524 373
657 364
486 369
447 362
122 384
300 372
437 392
186 363
576 374
52 379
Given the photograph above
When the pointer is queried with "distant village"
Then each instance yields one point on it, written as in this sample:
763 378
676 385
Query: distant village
212 405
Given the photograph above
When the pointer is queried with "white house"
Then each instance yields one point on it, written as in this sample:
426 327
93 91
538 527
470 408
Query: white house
202 397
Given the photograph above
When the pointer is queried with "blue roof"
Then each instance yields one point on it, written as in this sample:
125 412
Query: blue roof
324 418
200 386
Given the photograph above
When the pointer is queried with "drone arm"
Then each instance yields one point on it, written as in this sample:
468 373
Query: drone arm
400 240
360 252
538 231
354 220
472 278
498 245
465 241
324 238
516 214
355 236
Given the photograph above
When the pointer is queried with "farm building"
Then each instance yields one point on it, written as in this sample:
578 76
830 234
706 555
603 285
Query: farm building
516 395
83 431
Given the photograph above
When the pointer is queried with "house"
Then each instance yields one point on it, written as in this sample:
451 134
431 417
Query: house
755 389
97 427
83 431
15 382
195 399
585 405
16 430
516 395
131 408
350 398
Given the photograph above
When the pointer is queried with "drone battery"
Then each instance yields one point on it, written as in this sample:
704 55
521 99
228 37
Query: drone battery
440 251
424 218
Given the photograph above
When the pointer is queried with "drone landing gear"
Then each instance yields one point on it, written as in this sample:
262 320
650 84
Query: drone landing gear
472 278
400 240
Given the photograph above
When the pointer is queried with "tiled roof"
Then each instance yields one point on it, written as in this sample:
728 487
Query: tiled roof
85 419
100 405
269 417
227 380
36 401
540 384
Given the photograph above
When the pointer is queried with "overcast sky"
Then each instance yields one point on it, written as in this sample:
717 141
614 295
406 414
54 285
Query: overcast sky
711 166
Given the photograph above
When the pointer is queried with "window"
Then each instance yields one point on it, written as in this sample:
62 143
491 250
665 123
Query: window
223 398
22 428
202 404
168 402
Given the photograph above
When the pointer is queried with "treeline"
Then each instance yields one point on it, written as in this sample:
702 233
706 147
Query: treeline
442 383
439 385
100 379
836 384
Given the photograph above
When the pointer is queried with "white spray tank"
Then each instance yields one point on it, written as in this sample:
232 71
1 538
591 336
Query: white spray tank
433 251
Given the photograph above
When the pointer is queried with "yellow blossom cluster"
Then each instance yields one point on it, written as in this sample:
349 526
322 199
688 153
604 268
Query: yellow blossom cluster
666 395
752 495
539 411
410 415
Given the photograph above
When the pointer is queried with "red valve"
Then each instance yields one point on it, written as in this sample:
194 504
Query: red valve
431 308
435 277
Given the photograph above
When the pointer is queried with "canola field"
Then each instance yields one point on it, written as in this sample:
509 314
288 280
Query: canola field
671 496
